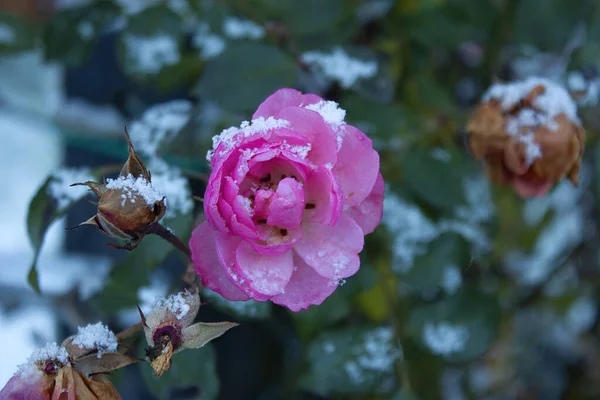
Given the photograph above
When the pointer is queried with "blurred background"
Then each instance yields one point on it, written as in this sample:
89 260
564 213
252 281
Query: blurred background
465 291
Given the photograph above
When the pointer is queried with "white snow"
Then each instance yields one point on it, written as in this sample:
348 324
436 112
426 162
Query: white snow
85 30
150 54
136 6
237 28
7 34
51 352
376 354
96 337
576 82
133 187
170 183
547 106
581 316
176 303
445 338
158 124
451 279
340 67
231 137
79 114
209 44
59 185
333 115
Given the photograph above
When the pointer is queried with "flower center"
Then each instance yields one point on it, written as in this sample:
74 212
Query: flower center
168 332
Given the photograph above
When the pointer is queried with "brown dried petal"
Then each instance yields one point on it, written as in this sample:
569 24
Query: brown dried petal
134 164
72 385
162 363
92 364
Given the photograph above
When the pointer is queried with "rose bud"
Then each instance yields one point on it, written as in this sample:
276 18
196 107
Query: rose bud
529 135
129 207
169 329
48 374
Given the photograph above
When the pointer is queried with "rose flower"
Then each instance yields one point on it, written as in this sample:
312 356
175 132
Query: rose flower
529 135
289 199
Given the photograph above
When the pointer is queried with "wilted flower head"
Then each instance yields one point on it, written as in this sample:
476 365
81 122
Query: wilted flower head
169 329
289 200
129 206
53 373
529 135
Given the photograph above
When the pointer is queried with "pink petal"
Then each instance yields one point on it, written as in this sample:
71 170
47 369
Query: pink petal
272 242
324 193
357 166
305 288
368 213
29 387
320 135
332 250
281 99
287 205
212 272
527 188
266 276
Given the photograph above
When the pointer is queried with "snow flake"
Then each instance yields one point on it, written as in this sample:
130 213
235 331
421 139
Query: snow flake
333 115
96 337
171 184
150 54
59 185
230 137
375 354
133 187
237 28
176 303
340 67
451 279
444 338
209 44
51 352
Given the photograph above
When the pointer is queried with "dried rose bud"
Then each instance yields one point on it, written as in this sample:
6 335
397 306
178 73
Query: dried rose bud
129 206
169 329
49 374
529 135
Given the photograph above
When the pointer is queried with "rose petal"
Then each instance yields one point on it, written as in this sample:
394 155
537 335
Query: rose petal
322 138
287 205
305 288
324 197
34 386
212 272
527 188
368 213
265 275
332 250
284 98
357 166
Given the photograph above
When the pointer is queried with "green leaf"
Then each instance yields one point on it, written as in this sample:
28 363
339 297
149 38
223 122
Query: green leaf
385 121
245 74
351 361
428 271
151 43
190 369
250 309
314 319
436 181
16 34
457 328
71 34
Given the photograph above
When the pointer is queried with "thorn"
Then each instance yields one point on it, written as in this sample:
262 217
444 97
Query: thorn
142 316
95 203
198 198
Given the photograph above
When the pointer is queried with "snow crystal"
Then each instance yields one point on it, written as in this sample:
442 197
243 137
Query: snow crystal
151 53
451 279
59 185
445 338
237 28
376 354
230 137
333 115
176 303
576 82
159 123
300 151
340 66
581 316
96 337
7 34
532 149
132 187
171 184
209 44
85 30
410 228
49 353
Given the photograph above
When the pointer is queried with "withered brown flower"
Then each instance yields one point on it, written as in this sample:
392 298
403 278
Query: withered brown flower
528 135
129 207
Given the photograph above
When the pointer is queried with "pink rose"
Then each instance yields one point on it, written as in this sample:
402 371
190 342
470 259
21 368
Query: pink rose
289 200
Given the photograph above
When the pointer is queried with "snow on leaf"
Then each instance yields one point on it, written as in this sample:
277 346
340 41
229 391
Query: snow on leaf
96 337
444 338
150 54
209 44
59 186
237 28
339 66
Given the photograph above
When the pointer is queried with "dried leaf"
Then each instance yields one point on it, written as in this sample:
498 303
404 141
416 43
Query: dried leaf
199 334
91 364
134 164
72 385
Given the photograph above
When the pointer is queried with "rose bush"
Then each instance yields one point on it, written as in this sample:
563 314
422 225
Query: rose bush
289 199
